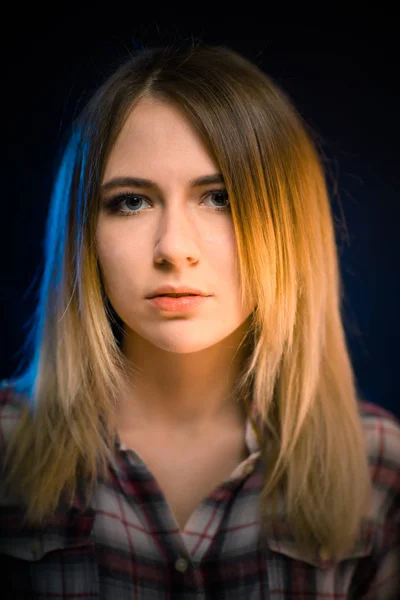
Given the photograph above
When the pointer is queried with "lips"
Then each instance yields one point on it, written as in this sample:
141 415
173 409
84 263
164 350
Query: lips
175 295
176 291
184 304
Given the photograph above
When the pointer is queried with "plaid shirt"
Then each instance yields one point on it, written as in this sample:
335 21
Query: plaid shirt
127 545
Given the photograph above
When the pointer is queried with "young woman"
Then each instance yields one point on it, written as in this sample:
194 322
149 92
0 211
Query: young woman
188 424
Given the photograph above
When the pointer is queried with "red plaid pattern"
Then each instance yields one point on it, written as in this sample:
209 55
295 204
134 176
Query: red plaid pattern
127 545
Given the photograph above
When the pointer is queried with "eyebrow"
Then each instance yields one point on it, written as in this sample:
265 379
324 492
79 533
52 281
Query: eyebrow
148 184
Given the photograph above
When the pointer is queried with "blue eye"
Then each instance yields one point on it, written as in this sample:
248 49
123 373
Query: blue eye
114 205
223 193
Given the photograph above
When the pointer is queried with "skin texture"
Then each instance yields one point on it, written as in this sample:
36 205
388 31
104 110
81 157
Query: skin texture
185 362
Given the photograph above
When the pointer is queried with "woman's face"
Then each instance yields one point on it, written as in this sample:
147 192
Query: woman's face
170 233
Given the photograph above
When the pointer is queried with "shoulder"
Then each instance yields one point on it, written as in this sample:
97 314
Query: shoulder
11 406
382 433
10 409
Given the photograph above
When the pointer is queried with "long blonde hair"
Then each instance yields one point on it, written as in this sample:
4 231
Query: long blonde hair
298 374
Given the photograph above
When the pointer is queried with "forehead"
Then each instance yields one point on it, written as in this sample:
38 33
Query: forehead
158 141
150 116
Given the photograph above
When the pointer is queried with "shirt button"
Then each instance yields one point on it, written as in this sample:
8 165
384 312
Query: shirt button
181 565
324 554
35 549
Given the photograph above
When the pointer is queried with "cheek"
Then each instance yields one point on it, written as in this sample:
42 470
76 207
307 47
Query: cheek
223 251
112 261
116 251
120 255
221 241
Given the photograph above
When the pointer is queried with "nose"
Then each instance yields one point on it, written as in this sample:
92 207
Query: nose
176 237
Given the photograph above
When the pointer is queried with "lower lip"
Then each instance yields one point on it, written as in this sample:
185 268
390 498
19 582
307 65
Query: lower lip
181 304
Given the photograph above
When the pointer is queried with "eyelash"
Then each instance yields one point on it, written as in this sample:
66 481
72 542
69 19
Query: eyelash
112 206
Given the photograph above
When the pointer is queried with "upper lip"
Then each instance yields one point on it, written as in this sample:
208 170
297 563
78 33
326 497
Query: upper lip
182 289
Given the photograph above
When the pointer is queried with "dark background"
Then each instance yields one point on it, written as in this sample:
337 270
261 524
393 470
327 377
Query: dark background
342 79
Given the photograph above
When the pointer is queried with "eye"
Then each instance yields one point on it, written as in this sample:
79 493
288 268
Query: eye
114 205
131 201
221 194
